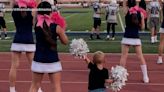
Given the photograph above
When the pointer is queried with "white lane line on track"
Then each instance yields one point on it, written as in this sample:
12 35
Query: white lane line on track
70 82
83 70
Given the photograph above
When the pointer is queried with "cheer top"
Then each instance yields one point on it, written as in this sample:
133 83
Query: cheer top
162 25
131 30
45 52
23 26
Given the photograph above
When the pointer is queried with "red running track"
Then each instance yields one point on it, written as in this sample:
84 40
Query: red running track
75 74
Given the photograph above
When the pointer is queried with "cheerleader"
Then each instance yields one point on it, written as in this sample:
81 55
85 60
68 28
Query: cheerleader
154 19
2 21
97 20
134 21
23 39
111 17
46 58
161 45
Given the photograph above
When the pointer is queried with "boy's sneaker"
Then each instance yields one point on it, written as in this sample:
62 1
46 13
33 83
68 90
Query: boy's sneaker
108 37
159 61
7 38
113 38
91 36
98 37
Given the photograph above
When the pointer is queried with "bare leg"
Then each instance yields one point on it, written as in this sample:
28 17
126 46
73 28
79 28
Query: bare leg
14 65
152 35
124 55
36 82
161 47
55 79
143 63
30 56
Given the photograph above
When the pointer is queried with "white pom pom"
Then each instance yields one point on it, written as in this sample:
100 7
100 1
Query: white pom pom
119 75
78 47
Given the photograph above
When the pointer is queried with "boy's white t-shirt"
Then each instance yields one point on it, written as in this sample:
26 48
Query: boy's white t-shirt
112 10
96 8
154 8
2 6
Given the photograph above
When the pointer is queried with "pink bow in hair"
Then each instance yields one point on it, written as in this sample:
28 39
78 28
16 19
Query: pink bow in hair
26 3
138 9
58 19
42 18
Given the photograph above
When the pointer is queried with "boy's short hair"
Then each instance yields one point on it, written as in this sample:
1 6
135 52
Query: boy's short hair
96 56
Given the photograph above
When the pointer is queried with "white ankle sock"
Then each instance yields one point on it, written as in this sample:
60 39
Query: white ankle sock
12 89
144 71
160 57
153 39
156 38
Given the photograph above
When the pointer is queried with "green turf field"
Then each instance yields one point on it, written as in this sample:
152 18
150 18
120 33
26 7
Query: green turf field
78 19
95 45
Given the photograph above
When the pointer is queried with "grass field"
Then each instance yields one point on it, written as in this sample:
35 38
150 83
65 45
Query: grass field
78 19
95 45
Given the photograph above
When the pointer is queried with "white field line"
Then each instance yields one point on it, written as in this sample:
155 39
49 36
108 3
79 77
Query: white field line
71 82
122 25
135 71
67 17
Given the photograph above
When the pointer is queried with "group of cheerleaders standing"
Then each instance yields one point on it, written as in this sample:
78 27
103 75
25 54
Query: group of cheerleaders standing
49 26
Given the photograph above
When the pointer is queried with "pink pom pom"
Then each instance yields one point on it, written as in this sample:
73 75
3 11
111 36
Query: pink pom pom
138 9
31 3
58 19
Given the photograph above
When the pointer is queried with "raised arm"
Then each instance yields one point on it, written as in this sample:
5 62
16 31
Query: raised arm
62 36
87 60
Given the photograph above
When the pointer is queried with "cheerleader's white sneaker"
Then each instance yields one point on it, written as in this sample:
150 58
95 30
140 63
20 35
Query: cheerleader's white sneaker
12 89
40 90
146 80
159 61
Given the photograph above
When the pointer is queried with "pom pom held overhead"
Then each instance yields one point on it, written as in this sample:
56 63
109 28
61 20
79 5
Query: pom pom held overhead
78 47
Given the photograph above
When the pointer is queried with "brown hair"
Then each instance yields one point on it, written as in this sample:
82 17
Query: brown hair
96 57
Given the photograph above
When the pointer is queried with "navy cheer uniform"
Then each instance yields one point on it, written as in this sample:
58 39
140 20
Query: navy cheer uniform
131 35
162 25
46 58
23 39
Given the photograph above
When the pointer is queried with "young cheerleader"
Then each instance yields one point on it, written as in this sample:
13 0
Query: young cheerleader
134 21
111 17
154 19
98 75
2 21
23 39
161 45
46 58
97 20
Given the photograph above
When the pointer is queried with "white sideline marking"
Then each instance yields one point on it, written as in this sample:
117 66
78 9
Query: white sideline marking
25 70
122 25
67 17
70 82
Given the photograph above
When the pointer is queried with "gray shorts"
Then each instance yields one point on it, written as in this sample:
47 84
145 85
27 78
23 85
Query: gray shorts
98 90
154 23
